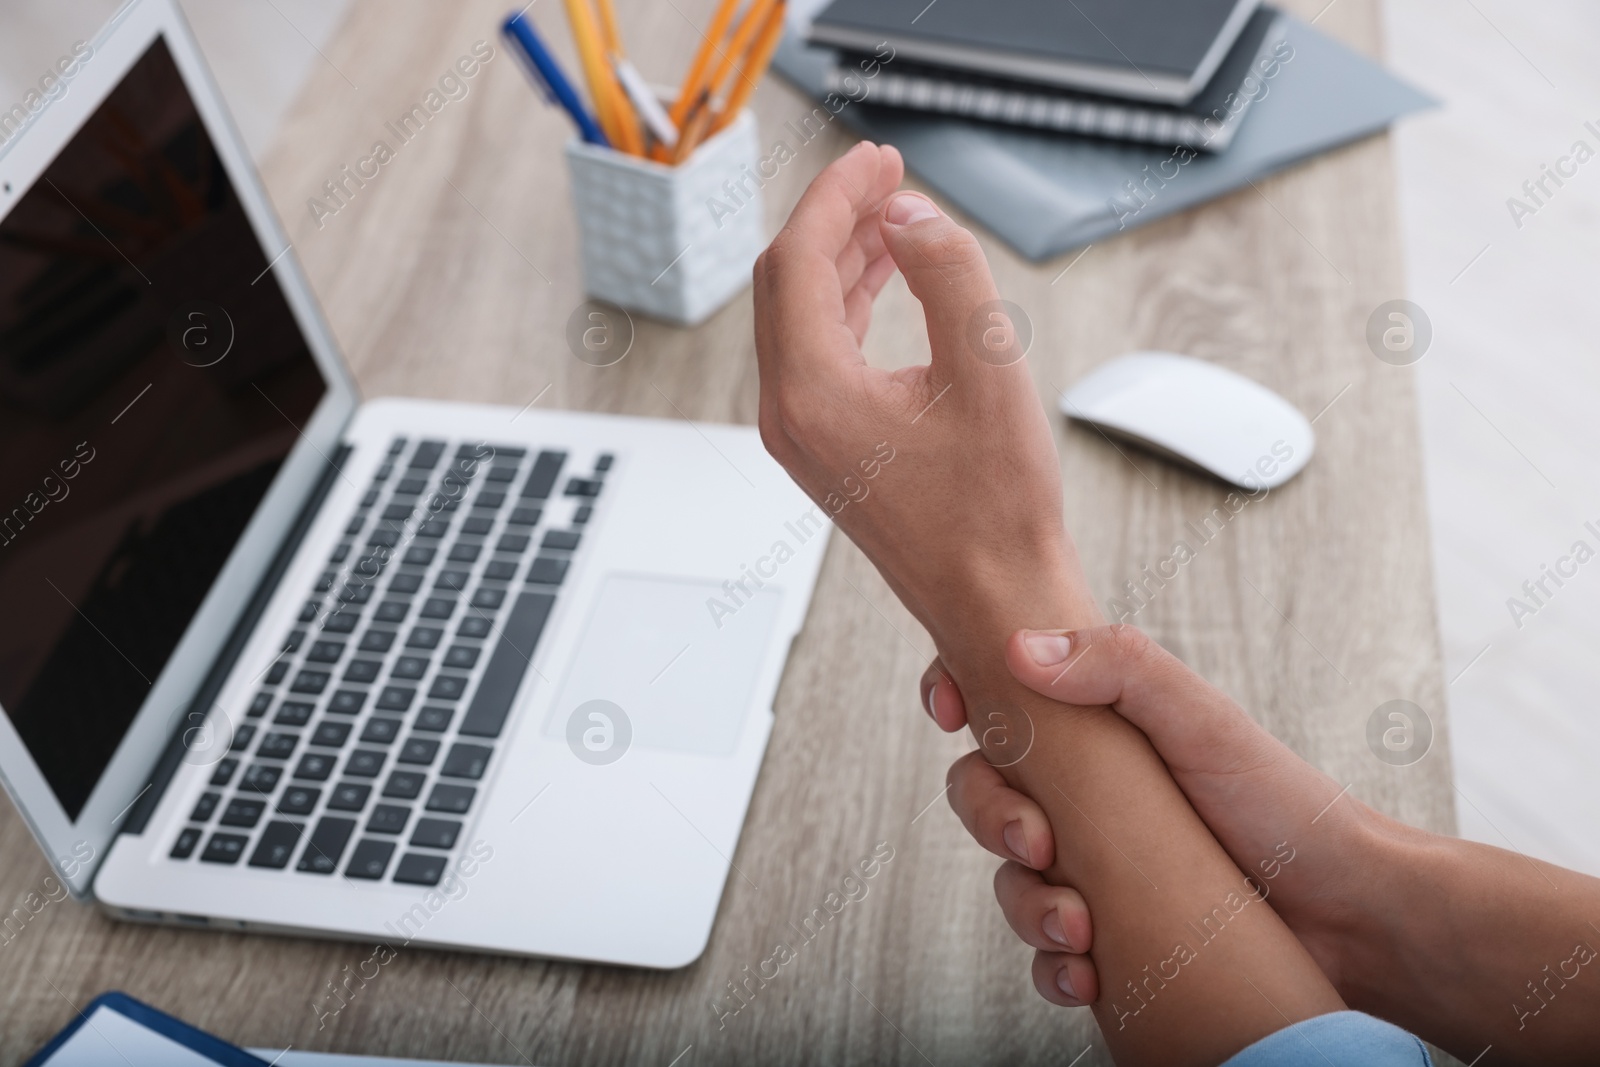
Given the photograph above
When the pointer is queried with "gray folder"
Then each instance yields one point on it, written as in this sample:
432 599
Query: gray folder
1045 193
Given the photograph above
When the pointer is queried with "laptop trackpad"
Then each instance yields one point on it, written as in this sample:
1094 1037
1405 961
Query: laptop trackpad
679 657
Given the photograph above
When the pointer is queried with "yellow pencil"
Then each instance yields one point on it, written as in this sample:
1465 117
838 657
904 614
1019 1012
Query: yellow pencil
613 114
627 115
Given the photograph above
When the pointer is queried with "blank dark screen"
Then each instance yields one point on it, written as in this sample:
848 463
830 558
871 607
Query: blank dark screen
152 381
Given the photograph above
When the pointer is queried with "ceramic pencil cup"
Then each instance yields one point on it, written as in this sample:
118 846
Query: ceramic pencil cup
673 243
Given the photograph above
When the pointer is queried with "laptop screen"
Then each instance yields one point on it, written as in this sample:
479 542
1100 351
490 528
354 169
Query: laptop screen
152 381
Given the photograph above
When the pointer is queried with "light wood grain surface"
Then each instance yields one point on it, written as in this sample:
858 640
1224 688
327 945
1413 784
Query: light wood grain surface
453 274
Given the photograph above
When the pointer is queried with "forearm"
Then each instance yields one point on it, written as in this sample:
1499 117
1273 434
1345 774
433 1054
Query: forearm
1470 946
1192 965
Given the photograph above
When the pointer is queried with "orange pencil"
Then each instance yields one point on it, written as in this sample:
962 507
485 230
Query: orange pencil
754 20
754 67
613 114
689 92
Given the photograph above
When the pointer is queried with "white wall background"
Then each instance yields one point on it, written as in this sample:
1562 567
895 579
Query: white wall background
1509 389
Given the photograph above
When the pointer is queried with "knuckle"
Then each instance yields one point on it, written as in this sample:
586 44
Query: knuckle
1129 644
955 247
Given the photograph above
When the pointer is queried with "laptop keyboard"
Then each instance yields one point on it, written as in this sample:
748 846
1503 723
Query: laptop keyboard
364 749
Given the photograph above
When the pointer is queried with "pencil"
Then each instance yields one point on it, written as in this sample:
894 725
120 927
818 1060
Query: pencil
755 66
754 19
608 109
689 93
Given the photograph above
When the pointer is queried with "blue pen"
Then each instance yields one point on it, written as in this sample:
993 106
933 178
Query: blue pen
547 75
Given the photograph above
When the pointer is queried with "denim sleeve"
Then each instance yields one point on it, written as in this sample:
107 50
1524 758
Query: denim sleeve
1342 1039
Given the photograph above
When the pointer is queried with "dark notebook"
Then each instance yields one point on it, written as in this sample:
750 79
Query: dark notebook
1159 50
1208 122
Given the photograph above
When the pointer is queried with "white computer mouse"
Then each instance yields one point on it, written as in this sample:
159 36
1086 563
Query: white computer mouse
1199 413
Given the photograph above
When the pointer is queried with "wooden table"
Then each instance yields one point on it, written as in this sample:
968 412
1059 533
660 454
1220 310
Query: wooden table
453 274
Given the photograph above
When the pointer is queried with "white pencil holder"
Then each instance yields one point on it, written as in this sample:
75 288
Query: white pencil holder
674 243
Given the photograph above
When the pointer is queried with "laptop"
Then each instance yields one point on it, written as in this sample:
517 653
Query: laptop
276 659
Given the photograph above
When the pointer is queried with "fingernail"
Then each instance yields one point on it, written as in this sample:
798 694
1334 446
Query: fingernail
1015 841
1052 930
1047 649
932 714
1064 983
907 208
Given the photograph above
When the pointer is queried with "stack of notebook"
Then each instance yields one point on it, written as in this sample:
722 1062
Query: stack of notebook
1172 72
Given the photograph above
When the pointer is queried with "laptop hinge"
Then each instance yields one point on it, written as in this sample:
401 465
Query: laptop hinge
198 709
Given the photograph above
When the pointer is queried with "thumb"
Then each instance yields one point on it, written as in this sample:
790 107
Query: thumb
946 270
1192 724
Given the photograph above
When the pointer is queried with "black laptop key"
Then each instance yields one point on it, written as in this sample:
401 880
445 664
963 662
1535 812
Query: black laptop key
377 640
500 570
293 642
243 812
341 622
242 738
426 457
380 731
478 525
359 592
326 845
349 796
410 486
453 581
404 785
260 703
325 581
419 869
364 763
325 652
298 800
466 761
512 654
385 538
310 682
405 584
370 859
183 848
582 515
224 848
452 799
489 498
542 478
399 512
277 746
260 778
275 674
465 553
433 529
419 556
435 833
410 668
584 487
462 657
347 702
388 819
488 599
475 626
418 750
339 555
205 807
294 713
309 611
502 474
396 698
392 611
363 671
331 734
397 446
353 527
447 687
224 772
548 570
434 720
276 847
561 540
512 544
438 608
604 462
524 517
314 767
425 637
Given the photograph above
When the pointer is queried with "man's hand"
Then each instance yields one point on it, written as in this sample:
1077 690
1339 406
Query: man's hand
964 526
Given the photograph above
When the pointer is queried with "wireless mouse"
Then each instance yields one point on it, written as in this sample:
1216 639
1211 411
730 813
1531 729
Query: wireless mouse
1197 413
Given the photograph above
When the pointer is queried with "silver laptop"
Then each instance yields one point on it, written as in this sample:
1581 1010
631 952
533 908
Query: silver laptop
275 659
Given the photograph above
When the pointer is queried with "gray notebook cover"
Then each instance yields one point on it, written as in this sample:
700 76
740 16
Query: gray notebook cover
1045 193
